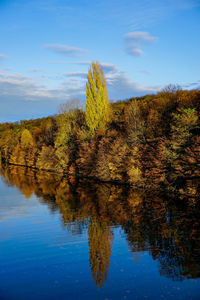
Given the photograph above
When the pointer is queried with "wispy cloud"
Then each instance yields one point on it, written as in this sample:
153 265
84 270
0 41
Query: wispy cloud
66 50
135 51
64 62
140 37
35 70
19 85
137 39
14 76
83 63
120 86
80 76
136 14
109 68
75 74
118 82
191 85
151 12
2 56
146 72
7 69
30 98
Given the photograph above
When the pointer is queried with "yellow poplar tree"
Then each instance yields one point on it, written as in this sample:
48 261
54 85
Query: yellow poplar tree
98 109
26 138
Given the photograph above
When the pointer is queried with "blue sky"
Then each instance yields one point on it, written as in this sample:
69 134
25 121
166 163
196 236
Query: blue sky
46 47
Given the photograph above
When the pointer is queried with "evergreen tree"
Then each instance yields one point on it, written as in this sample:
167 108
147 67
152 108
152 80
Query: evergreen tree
98 108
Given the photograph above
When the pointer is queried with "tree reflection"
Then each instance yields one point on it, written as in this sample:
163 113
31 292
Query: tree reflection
166 227
100 247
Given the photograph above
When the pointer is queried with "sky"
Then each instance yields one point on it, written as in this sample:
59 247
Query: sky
47 46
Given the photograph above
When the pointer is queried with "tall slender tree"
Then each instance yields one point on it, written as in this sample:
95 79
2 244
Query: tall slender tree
98 109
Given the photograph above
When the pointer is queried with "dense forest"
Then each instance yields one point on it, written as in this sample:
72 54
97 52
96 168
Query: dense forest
151 141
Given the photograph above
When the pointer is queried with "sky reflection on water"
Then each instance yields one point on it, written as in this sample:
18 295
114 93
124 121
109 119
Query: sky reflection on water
63 239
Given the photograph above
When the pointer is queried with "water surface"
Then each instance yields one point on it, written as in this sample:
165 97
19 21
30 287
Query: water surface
63 239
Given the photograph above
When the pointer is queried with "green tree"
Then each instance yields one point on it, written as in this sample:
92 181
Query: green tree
98 109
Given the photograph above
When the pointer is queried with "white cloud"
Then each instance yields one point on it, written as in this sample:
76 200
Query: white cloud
22 97
20 85
137 39
121 87
29 98
109 67
66 50
136 51
140 36
12 77
29 89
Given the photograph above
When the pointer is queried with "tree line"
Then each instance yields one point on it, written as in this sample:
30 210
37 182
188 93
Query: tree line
152 140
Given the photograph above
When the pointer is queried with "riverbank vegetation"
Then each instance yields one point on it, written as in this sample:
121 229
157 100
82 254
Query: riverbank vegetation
152 140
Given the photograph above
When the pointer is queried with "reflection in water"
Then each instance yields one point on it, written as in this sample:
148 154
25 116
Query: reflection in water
100 238
167 228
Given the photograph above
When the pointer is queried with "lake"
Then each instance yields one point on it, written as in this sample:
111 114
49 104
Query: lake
67 239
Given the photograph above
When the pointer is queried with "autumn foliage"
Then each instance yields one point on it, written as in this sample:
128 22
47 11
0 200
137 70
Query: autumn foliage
152 140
